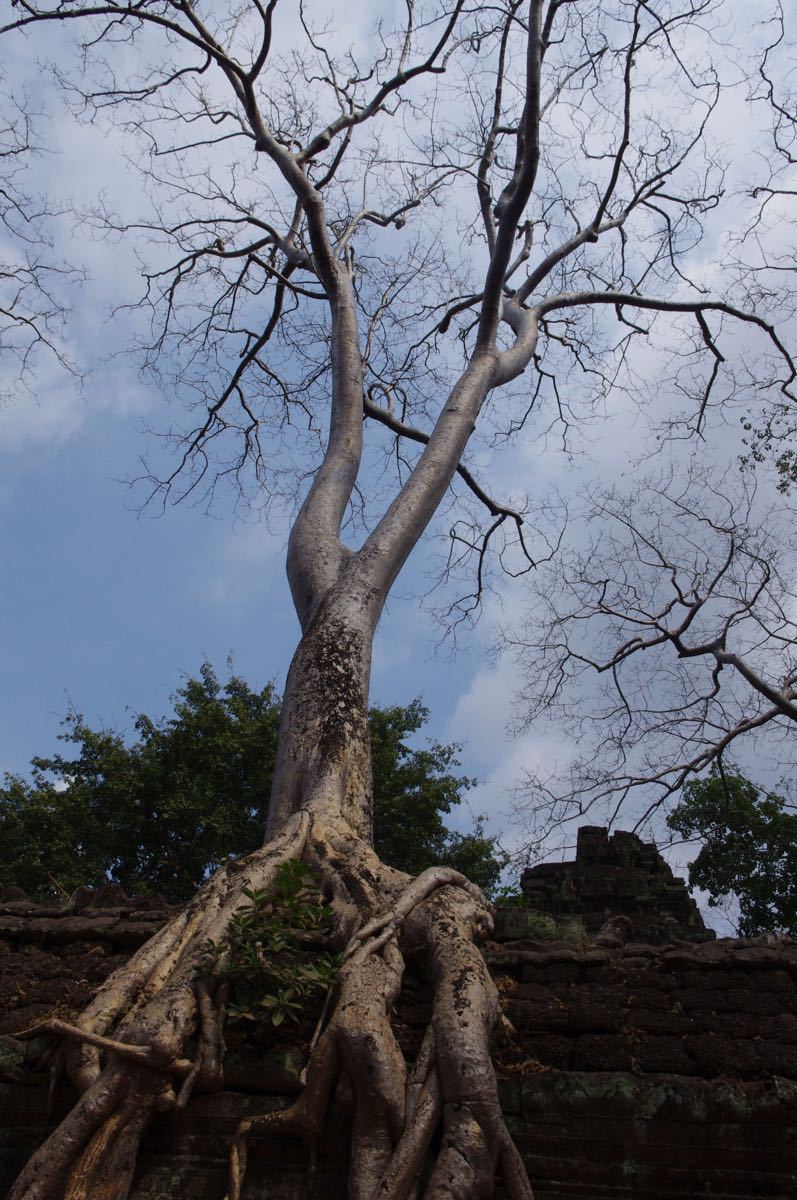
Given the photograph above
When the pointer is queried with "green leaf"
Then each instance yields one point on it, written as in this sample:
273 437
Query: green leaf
748 849
188 792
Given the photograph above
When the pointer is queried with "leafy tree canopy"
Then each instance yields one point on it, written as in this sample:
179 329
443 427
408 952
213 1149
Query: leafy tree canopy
191 791
749 849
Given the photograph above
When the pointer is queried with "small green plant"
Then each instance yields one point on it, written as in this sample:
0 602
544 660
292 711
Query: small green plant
269 955
508 896
541 927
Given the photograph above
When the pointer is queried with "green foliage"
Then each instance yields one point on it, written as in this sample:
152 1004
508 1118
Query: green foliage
191 792
508 896
413 789
540 927
570 931
774 443
58 835
188 794
264 954
749 849
543 928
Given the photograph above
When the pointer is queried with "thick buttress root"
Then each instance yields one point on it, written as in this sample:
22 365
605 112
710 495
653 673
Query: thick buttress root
141 1020
437 919
128 1050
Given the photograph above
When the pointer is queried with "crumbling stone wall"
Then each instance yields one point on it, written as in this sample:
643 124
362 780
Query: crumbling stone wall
635 1070
611 875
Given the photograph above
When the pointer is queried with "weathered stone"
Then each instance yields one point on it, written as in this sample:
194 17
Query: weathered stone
717 1055
601 1052
593 1014
521 923
66 929
554 976
108 895
548 1017
614 933
594 958
778 1059
663 1055
616 876
276 1069
656 1021
780 1029
756 957
12 1060
550 1050
635 1071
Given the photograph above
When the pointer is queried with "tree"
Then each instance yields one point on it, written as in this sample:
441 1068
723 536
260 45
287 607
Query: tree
773 435
191 793
34 281
749 849
421 782
405 232
159 814
662 641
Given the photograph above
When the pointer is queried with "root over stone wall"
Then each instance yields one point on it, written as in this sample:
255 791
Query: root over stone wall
663 1072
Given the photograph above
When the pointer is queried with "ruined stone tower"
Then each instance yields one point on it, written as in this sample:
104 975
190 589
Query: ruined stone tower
613 876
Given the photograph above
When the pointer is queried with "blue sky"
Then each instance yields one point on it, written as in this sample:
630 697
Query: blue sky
106 607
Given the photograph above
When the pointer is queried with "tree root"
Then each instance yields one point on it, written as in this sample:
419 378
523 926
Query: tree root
207 1070
207 1067
128 1049
374 934
143 1055
150 1007
105 1169
395 1118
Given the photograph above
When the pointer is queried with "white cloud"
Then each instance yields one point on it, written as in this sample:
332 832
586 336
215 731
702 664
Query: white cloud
59 407
248 561
480 720
51 417
403 626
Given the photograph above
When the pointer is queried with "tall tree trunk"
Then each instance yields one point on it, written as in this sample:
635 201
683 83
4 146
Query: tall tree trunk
131 1046
323 752
132 1049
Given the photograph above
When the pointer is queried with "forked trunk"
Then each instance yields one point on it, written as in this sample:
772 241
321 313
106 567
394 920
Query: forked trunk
154 1030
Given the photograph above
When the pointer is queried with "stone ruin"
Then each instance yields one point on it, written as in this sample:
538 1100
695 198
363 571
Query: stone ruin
617 875
664 1070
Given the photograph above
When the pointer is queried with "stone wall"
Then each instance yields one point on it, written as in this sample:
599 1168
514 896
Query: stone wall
611 875
635 1070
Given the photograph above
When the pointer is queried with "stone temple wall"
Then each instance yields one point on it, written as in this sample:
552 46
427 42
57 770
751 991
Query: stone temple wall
613 875
636 1070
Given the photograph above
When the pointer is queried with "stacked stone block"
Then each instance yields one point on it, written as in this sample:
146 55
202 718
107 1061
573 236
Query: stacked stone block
616 875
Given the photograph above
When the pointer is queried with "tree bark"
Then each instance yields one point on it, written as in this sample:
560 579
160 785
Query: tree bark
140 1026
132 1053
323 752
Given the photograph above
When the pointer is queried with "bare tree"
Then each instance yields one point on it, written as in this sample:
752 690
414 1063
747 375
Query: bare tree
765 253
34 281
668 637
345 242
